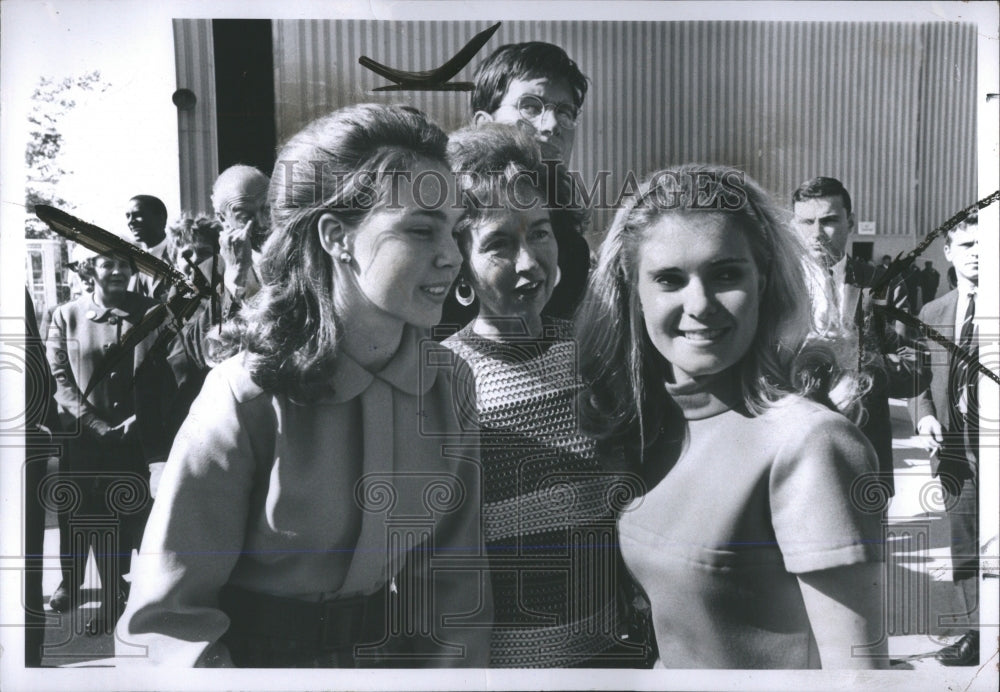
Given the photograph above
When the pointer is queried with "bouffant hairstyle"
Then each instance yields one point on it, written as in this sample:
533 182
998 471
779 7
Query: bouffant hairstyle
341 164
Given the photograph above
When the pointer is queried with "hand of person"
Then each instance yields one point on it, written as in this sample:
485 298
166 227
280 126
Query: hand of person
125 430
97 427
212 345
155 473
929 429
234 247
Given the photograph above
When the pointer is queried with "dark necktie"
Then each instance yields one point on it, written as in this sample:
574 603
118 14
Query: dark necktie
964 384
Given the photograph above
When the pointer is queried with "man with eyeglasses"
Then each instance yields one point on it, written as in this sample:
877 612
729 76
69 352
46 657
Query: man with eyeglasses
540 89
533 85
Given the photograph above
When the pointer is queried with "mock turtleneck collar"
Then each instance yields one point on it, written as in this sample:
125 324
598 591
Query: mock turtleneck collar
707 396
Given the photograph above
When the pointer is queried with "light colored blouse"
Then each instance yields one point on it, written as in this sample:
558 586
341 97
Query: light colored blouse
751 502
321 500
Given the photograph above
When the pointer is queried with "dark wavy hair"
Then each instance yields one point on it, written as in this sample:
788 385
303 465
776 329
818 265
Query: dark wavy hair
529 60
798 346
493 161
340 164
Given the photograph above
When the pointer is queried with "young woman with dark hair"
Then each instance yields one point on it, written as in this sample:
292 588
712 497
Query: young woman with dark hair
321 501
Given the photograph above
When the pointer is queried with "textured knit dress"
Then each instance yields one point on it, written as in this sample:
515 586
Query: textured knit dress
549 505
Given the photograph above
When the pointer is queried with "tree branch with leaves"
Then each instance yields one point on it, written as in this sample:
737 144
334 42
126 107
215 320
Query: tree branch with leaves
52 100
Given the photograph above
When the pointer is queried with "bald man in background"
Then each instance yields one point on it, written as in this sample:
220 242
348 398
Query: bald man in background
240 200
239 196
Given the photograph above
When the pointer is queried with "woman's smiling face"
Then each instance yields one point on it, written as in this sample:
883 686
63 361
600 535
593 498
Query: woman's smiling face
699 289
511 257
405 255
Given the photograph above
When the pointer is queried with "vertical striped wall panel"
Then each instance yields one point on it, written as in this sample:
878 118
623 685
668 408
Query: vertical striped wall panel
947 129
197 132
886 107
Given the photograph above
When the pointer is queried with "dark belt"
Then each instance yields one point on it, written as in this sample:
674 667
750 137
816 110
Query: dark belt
329 625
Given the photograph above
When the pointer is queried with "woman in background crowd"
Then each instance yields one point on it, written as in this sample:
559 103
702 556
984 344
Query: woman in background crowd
325 477
702 350
103 461
548 510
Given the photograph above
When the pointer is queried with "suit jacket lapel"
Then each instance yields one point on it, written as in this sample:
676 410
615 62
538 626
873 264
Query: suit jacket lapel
943 318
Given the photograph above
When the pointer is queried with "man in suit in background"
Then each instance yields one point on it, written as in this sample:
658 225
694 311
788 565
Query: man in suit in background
41 421
864 270
883 265
930 279
824 219
914 280
946 414
147 220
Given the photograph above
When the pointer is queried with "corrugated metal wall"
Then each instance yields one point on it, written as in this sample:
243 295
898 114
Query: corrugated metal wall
947 133
197 133
886 107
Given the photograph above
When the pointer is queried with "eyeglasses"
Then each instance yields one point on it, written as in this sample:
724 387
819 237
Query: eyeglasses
531 107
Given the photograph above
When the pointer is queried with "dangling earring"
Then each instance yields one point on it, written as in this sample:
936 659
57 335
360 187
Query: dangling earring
345 257
558 276
464 293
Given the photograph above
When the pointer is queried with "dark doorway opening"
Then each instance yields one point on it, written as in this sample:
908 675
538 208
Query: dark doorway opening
862 250
244 92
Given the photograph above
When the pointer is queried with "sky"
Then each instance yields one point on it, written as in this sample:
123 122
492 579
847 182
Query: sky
119 143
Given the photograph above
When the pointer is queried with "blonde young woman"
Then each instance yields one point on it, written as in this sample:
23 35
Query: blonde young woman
703 354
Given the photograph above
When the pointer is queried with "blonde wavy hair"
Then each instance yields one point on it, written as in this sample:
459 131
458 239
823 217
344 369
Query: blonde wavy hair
800 346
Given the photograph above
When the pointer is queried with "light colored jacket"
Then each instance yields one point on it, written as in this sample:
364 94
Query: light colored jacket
323 500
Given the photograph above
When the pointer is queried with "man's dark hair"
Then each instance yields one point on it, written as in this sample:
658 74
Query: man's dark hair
822 187
154 204
530 60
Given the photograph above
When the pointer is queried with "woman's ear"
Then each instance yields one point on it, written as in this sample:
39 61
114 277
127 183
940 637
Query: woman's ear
482 117
332 235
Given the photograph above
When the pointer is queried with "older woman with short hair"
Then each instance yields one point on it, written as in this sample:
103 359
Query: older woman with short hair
549 499
103 471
